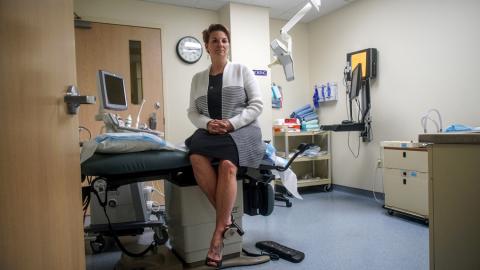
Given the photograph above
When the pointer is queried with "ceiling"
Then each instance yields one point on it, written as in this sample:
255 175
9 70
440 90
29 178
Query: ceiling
279 9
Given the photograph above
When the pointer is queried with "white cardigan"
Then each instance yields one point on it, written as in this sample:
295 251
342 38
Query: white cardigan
241 105
234 75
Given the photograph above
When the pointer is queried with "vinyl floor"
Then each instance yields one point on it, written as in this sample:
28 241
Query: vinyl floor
336 230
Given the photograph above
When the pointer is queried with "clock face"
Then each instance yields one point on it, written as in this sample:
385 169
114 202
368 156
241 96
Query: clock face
189 49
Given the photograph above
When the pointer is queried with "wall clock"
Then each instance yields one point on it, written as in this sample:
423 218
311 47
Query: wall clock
189 49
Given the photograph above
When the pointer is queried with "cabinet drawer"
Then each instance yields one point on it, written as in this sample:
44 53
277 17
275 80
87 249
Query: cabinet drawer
407 190
413 160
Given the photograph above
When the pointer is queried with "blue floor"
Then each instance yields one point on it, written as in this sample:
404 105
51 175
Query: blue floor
335 230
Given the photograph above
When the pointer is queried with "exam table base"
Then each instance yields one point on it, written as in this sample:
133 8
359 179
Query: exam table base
163 258
191 222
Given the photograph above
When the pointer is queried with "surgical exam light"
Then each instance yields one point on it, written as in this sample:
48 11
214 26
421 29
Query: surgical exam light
282 54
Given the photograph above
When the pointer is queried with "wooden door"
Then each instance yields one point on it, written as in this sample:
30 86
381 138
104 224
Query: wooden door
106 46
40 194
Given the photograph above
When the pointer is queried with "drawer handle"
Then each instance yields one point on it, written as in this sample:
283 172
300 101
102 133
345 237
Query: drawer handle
404 181
404 154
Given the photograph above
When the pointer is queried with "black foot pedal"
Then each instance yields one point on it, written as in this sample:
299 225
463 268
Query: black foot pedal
284 252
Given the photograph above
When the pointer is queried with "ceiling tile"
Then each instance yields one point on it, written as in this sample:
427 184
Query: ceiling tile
279 9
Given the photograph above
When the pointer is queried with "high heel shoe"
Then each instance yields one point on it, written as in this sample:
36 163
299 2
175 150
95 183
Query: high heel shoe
217 264
228 232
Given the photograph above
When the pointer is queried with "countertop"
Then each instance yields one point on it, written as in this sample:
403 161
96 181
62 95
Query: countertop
454 137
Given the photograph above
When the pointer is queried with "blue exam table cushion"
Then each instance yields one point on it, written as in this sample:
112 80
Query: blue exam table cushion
134 163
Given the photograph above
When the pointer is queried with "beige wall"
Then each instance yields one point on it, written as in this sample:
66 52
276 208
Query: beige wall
298 92
428 58
250 46
175 22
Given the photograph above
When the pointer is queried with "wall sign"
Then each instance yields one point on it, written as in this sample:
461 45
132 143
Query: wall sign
260 72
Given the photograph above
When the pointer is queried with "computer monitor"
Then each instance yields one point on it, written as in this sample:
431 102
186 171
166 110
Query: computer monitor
368 59
112 91
356 83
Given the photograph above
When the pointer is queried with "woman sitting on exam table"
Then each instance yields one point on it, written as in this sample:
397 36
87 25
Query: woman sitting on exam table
225 102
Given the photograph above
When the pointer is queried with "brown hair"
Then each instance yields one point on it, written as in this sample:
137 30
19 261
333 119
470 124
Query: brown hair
212 28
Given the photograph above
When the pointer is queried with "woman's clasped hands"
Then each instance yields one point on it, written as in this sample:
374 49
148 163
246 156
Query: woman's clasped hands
219 126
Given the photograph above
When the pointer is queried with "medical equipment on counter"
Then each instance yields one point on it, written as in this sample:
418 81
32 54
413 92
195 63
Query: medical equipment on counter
112 125
152 121
128 121
426 117
138 115
283 55
461 128
111 90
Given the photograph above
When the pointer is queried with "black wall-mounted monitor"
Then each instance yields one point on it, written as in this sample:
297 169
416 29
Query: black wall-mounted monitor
112 91
356 83
368 59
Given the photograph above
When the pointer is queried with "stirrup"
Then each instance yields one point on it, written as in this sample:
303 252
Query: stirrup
231 229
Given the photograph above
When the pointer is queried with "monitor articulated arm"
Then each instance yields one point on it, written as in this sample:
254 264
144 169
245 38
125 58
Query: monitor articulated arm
283 55
295 19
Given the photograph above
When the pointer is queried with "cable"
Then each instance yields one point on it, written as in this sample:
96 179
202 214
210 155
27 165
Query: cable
350 148
375 177
348 138
159 192
374 181
370 131
345 83
80 128
273 256
346 71
86 203
359 112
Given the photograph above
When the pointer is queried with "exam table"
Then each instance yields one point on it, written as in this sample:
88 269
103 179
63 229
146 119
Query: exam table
110 171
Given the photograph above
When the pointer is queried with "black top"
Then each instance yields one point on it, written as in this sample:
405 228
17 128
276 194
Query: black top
215 96
216 146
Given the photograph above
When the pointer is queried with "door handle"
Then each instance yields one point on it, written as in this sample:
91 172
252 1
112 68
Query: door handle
73 99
